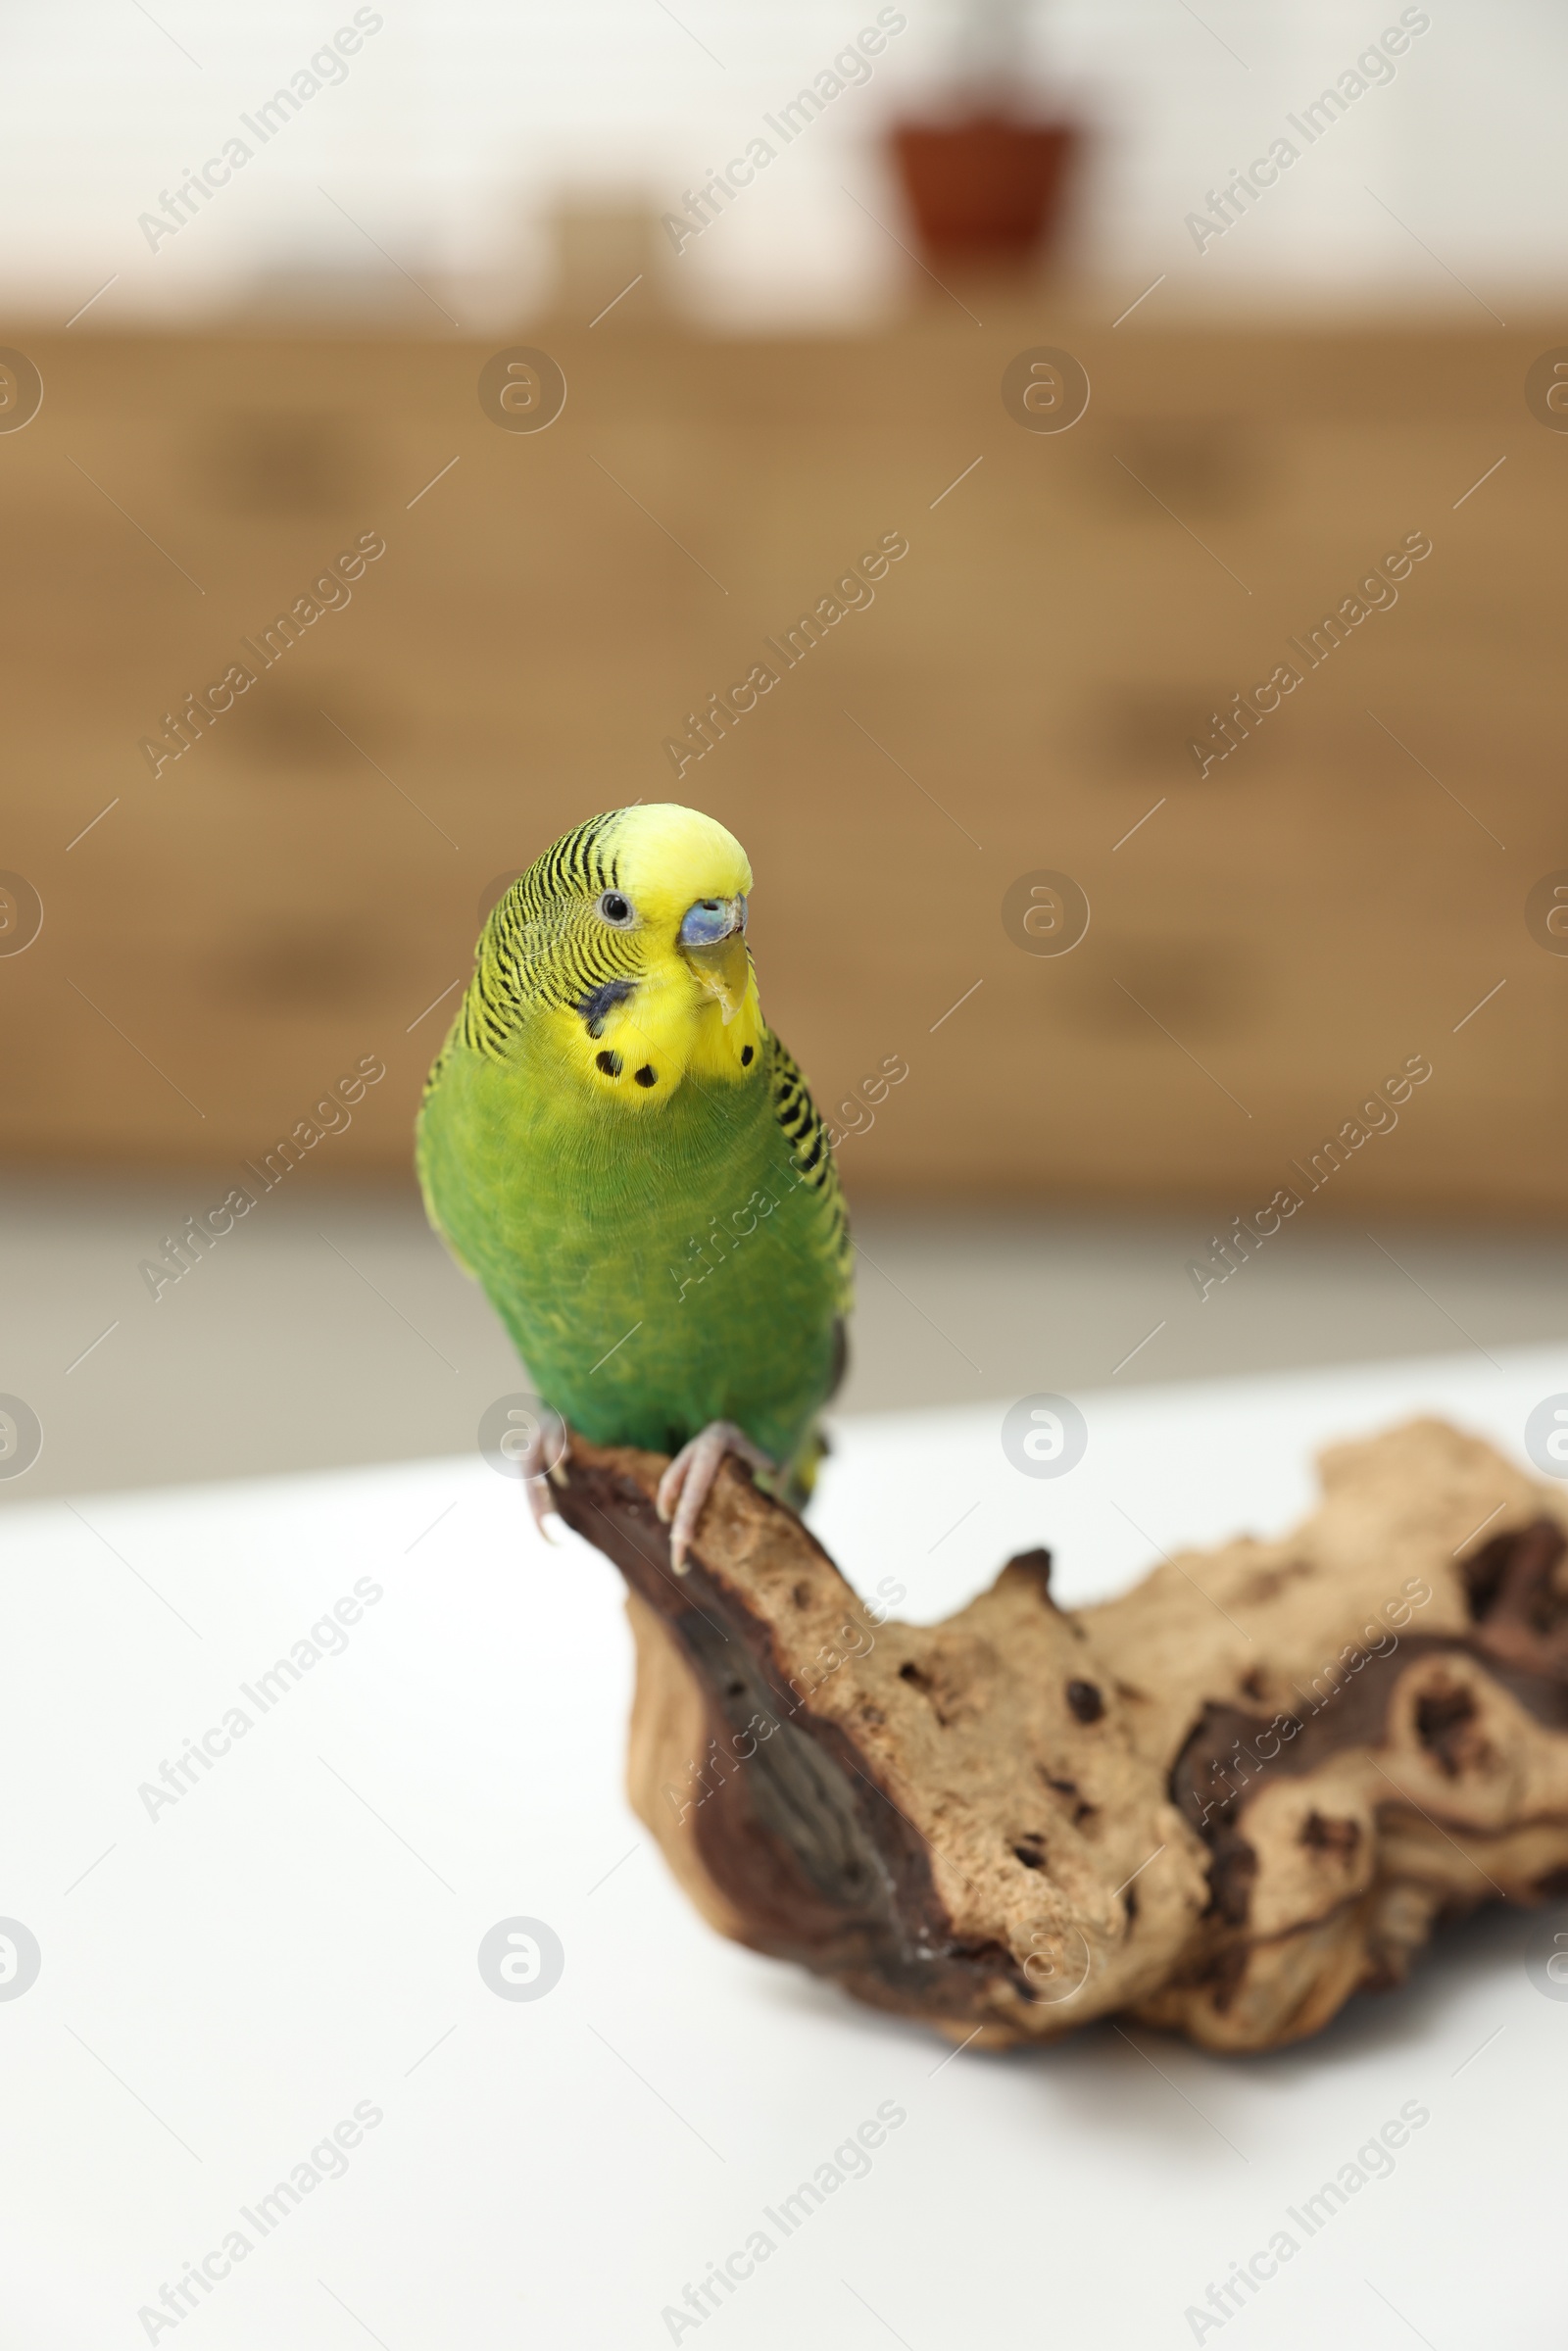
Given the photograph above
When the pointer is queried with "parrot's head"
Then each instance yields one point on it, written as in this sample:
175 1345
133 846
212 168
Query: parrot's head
622 950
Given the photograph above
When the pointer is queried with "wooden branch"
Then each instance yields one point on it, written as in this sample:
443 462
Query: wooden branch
1223 1802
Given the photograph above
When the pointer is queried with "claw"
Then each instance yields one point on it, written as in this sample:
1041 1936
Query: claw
688 1482
541 1509
540 1467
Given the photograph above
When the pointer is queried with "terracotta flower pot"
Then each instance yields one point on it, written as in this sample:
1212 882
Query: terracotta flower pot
988 190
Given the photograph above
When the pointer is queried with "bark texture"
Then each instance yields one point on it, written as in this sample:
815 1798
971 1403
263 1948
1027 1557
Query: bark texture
1223 1802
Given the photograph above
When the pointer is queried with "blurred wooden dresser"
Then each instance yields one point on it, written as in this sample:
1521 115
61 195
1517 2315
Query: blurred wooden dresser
1267 939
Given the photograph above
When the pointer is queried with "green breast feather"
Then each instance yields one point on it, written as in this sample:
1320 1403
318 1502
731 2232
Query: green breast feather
655 1274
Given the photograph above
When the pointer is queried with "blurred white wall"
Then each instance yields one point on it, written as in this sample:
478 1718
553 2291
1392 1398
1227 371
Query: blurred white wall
461 123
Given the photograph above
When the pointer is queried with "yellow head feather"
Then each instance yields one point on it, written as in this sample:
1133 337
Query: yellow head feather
587 949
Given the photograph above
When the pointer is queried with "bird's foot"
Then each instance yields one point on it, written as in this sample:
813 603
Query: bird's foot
539 1466
689 1480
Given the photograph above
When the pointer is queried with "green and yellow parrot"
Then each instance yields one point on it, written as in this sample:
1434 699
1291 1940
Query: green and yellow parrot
618 1147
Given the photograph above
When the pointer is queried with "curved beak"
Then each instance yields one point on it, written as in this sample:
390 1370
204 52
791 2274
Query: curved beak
713 940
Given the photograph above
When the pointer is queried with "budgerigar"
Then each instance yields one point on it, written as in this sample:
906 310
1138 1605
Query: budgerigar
621 1150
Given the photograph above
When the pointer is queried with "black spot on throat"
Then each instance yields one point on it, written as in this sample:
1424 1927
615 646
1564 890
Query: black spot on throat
601 999
746 1056
610 1063
645 1076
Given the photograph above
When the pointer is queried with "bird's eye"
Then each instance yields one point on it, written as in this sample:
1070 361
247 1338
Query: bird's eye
614 908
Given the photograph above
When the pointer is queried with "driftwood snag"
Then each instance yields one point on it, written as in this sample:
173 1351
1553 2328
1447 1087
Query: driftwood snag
1221 1803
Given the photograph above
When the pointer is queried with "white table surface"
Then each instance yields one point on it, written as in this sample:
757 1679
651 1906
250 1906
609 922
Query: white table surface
298 1934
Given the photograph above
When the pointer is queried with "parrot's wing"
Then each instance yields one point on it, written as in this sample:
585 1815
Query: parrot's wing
811 1156
436 1109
